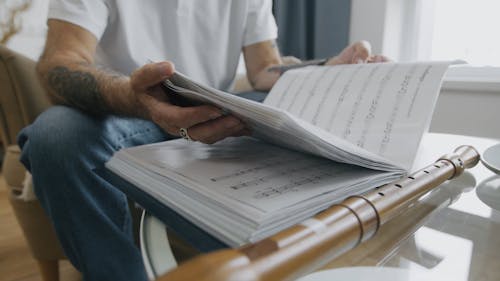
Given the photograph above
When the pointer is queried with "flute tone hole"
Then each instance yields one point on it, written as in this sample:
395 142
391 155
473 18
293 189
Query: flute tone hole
412 178
426 172
398 185
381 194
437 166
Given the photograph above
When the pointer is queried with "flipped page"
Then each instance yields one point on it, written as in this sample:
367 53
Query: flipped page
371 115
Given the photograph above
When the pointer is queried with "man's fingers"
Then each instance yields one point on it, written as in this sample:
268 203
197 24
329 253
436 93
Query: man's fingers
244 132
149 101
289 60
186 117
358 52
362 51
164 114
205 123
378 58
216 130
150 74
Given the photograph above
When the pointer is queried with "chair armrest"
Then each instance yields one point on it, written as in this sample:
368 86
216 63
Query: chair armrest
13 171
23 98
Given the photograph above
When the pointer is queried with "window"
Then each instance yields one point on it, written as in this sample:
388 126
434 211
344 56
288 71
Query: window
458 29
435 30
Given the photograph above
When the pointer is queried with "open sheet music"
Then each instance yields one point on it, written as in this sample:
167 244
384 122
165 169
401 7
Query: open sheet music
347 113
321 134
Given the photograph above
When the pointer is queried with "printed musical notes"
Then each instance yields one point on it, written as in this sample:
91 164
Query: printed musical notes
375 106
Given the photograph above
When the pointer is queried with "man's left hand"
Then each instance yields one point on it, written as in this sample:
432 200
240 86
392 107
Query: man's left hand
359 52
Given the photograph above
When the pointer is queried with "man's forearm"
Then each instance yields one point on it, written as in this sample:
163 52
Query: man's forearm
82 85
259 57
266 78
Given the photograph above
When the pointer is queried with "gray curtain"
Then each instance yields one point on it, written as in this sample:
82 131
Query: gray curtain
312 28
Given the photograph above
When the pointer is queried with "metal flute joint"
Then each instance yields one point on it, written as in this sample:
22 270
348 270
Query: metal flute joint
463 157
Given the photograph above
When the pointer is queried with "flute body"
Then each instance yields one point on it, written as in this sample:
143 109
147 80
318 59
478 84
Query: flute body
309 245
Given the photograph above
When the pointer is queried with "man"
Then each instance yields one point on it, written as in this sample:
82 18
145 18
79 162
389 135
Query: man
92 46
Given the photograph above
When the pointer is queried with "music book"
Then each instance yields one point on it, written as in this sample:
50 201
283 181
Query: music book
322 133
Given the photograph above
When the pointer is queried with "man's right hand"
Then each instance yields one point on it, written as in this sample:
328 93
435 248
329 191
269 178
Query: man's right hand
70 76
204 123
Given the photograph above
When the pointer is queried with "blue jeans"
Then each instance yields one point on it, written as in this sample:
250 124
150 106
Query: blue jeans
90 216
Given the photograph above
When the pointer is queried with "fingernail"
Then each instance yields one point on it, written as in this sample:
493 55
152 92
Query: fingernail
359 61
164 68
232 122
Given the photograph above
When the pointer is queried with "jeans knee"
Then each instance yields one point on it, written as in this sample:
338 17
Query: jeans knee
57 134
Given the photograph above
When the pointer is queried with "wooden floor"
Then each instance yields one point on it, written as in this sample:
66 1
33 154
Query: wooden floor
16 263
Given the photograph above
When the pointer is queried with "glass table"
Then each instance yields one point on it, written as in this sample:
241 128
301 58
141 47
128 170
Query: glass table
452 233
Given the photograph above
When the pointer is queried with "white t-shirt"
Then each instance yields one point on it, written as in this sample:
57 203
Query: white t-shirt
202 37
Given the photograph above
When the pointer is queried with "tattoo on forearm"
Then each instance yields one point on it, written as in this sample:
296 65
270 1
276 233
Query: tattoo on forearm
78 88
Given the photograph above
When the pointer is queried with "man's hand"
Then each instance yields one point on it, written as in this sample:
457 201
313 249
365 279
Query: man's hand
205 123
359 52
67 71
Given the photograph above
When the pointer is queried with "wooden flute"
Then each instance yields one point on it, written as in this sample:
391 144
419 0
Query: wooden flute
311 244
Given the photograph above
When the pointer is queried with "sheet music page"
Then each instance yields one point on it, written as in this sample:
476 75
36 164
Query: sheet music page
383 108
251 172
276 126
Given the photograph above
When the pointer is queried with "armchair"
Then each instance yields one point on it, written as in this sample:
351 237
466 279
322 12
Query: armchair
22 98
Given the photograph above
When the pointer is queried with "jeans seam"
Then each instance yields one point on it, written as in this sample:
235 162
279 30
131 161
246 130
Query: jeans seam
130 135
119 141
